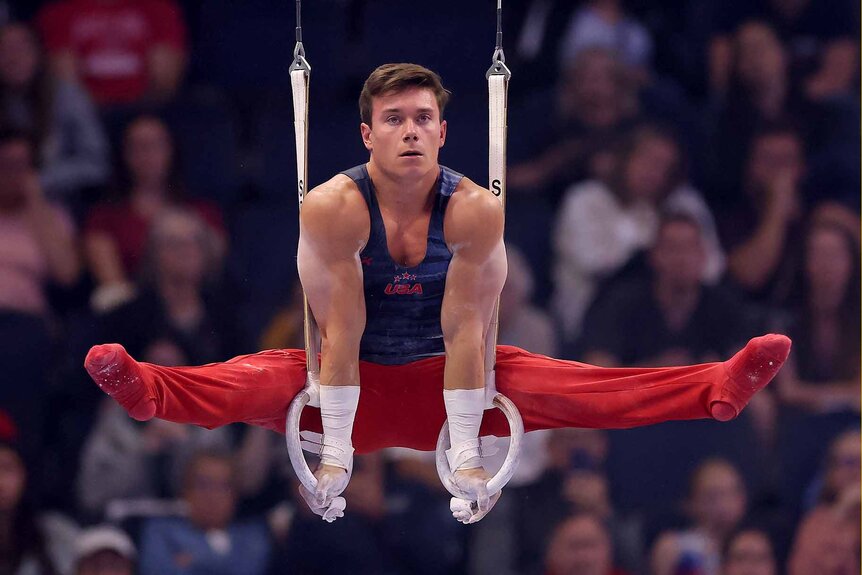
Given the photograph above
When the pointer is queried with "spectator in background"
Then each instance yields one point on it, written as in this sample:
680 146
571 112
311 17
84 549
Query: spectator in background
716 505
122 459
521 323
104 550
174 320
536 28
124 51
827 542
580 545
670 318
210 540
372 537
37 248
820 38
71 146
177 317
572 482
37 244
603 223
841 475
749 552
759 228
285 329
606 24
31 542
822 373
761 93
116 232
595 101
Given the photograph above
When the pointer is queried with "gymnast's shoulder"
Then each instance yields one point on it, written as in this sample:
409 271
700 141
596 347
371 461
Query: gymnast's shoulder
336 208
473 210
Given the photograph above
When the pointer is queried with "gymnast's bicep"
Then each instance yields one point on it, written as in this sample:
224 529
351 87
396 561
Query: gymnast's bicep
474 231
333 231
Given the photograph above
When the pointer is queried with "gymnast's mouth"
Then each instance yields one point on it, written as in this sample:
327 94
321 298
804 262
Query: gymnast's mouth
410 153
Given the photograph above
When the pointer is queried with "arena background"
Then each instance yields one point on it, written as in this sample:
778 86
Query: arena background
682 175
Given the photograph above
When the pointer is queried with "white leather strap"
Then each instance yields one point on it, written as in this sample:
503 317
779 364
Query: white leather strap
336 452
498 86
466 450
319 444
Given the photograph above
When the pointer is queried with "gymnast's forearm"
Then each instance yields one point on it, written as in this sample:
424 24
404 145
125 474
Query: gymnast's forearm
465 353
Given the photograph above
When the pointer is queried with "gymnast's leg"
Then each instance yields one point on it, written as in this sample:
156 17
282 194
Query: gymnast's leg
552 393
255 389
404 407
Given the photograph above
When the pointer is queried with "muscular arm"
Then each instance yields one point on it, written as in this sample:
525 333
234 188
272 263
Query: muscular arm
474 232
333 227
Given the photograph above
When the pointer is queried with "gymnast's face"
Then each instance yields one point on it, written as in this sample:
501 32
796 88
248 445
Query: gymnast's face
406 133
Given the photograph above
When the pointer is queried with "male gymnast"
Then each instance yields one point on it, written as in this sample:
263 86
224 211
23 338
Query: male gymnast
402 260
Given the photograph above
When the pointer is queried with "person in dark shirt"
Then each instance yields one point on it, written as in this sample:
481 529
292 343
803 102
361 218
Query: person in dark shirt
822 312
672 318
761 92
759 226
149 184
176 318
821 37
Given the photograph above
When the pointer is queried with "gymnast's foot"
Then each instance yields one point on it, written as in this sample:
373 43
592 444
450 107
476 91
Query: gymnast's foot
748 372
121 377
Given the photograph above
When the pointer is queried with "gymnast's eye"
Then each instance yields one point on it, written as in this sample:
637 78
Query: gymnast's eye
393 120
424 118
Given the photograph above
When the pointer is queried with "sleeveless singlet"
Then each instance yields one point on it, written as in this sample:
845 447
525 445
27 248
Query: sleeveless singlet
402 304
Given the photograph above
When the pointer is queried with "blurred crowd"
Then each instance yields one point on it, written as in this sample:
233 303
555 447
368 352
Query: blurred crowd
683 175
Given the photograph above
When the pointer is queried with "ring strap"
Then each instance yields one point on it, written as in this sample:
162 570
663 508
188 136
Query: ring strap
336 452
480 447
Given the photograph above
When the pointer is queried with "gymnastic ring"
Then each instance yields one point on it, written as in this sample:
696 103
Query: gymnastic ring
502 477
309 394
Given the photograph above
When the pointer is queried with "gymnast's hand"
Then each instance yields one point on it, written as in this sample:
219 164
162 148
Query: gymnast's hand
325 501
474 481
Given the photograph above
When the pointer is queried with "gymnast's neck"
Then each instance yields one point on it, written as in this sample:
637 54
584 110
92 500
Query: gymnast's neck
406 195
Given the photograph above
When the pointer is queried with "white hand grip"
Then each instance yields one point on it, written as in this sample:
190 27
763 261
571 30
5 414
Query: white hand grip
496 483
310 394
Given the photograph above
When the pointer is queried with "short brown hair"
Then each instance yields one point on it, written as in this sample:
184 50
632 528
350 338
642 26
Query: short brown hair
395 78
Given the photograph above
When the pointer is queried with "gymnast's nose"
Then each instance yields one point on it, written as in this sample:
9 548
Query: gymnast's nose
410 132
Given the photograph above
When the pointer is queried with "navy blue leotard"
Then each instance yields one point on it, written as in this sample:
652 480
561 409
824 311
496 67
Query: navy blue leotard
402 304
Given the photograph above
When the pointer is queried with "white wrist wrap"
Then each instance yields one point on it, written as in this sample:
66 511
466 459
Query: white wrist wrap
464 409
337 410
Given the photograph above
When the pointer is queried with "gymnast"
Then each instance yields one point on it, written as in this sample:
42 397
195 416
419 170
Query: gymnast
402 261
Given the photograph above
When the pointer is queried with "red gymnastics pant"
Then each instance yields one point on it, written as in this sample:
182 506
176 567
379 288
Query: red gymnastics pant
403 405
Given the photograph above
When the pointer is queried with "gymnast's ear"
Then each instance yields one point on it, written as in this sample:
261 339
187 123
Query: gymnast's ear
443 128
365 130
